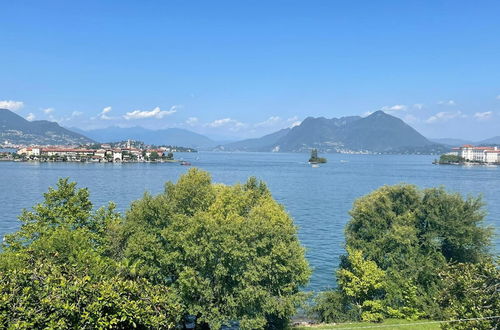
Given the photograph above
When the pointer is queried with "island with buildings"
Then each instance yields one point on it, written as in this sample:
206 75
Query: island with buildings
117 152
471 155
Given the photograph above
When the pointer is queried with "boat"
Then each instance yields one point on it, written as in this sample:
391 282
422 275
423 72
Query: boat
185 163
314 165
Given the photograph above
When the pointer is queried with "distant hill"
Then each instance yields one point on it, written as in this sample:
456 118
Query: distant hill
452 142
17 130
493 140
168 136
378 132
459 142
264 143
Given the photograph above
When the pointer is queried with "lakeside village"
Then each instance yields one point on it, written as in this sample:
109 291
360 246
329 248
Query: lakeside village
120 152
471 155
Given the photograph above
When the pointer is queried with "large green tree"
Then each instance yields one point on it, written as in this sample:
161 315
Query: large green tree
229 252
412 235
57 271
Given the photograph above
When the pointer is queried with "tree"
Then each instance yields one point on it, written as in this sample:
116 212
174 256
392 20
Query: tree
230 252
314 157
411 235
360 279
471 291
154 156
170 156
57 271
450 159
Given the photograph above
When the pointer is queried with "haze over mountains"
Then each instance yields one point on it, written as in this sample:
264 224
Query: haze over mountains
168 136
17 130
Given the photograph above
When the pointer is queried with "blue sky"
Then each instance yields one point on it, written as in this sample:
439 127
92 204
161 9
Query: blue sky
235 69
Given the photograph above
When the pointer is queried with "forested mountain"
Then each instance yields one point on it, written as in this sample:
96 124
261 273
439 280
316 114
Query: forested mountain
15 129
378 132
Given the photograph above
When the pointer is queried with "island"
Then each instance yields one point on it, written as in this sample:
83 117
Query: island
129 151
471 155
315 159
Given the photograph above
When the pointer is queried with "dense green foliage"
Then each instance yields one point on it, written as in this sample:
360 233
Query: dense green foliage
399 240
56 272
230 252
219 253
471 291
450 159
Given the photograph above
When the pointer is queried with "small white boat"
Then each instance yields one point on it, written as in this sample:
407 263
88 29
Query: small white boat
314 165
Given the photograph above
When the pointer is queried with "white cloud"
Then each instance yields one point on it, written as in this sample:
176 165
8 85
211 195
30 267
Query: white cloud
155 113
367 113
104 114
76 113
232 124
418 106
271 121
11 105
445 116
294 121
31 116
192 121
483 115
449 103
397 107
48 110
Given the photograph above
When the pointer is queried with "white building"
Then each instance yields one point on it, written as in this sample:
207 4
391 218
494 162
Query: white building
478 154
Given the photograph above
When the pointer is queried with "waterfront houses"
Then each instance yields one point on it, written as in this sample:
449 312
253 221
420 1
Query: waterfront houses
470 153
105 153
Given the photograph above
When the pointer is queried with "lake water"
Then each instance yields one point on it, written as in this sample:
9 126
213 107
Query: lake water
317 198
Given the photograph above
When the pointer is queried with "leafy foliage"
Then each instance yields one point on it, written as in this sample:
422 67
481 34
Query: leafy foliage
399 240
57 271
471 291
450 159
230 252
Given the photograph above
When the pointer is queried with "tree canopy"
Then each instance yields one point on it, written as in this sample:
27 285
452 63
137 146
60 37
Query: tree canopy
230 252
218 254
56 271
399 241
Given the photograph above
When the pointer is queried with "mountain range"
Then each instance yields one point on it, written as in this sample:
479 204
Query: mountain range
17 130
168 136
378 132
458 142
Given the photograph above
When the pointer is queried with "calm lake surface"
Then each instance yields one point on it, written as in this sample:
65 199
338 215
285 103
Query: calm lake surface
317 198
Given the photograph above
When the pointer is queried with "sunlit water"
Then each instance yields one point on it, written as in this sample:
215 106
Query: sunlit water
317 198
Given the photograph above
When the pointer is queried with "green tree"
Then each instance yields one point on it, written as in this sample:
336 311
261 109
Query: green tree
360 279
154 156
57 271
471 291
412 235
450 159
314 157
229 252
